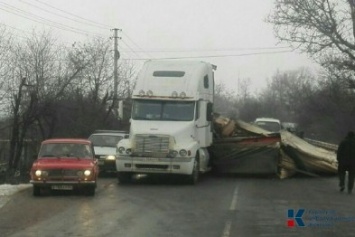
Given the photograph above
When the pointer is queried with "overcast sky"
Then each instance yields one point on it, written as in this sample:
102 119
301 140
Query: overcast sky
231 34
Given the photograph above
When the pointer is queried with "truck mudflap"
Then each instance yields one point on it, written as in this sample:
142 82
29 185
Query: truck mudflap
247 155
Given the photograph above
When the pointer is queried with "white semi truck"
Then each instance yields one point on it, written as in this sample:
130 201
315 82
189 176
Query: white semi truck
171 121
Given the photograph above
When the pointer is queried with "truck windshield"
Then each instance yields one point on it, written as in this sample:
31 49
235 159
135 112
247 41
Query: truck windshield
163 110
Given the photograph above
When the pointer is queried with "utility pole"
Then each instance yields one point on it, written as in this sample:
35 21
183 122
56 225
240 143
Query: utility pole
116 55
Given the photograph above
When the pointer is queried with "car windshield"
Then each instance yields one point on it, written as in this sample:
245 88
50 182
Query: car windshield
65 150
163 110
270 126
105 140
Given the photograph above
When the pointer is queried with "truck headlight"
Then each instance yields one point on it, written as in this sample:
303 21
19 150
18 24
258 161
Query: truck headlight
129 151
121 149
87 172
38 173
183 152
173 153
141 93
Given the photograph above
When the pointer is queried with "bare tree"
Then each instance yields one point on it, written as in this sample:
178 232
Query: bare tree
225 101
5 52
96 82
40 74
324 29
285 93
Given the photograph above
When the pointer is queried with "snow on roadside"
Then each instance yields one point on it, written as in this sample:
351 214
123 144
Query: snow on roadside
6 190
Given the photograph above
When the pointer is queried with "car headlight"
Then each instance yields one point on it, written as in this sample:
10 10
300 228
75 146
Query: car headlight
38 173
87 172
41 173
110 157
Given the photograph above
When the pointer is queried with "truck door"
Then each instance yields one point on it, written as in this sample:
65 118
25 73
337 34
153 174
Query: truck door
203 126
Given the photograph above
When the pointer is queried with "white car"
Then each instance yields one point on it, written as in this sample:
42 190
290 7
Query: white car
105 142
269 124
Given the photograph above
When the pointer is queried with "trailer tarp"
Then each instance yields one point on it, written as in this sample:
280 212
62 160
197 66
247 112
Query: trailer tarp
244 148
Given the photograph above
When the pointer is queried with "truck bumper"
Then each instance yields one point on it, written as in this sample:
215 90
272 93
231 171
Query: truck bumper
181 165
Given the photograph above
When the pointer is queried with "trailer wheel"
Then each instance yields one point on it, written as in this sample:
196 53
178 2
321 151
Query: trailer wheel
124 177
193 178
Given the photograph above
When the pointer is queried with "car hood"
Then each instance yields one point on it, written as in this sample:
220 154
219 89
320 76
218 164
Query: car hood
102 150
63 163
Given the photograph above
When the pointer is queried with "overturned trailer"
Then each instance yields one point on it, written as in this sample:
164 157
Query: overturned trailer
300 156
243 148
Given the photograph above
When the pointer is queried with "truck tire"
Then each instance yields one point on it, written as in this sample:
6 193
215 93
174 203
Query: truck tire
193 178
36 191
124 177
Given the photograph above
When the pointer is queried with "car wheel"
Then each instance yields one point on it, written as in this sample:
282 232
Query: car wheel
193 178
124 177
36 191
90 191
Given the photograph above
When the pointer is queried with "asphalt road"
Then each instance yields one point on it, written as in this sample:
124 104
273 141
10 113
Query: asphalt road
223 206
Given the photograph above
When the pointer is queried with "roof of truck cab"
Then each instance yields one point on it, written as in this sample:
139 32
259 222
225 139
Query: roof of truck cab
161 78
67 140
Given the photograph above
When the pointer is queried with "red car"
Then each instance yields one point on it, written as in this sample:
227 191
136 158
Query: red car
65 164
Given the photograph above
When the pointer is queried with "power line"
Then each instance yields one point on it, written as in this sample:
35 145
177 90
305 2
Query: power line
132 50
65 17
136 45
208 50
222 56
106 26
89 22
30 16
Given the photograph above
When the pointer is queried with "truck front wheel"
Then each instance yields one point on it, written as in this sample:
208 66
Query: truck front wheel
124 177
193 178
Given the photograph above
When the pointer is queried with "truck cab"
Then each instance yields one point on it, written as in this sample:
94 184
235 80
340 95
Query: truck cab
171 121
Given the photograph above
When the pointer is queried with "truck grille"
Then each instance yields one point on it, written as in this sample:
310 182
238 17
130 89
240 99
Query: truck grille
152 167
148 145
